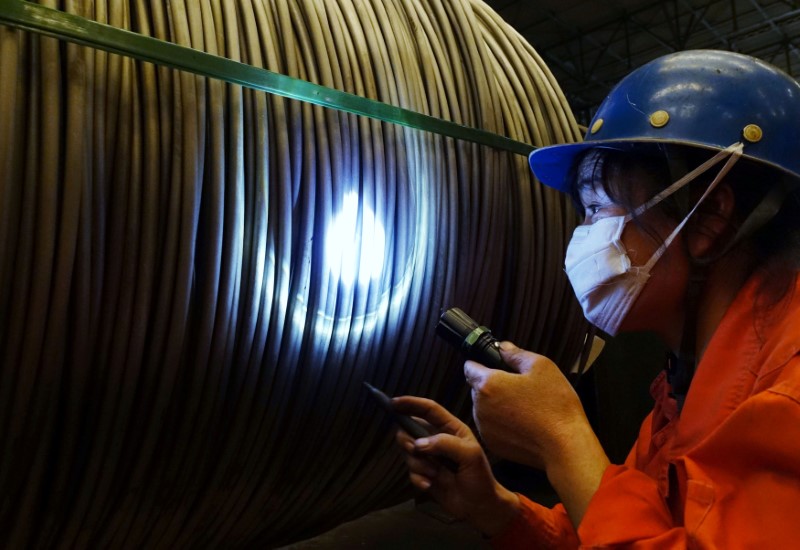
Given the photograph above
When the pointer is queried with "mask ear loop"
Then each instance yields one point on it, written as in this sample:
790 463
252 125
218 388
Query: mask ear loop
734 153
733 149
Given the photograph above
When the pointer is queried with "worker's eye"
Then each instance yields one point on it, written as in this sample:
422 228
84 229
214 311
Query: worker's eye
591 209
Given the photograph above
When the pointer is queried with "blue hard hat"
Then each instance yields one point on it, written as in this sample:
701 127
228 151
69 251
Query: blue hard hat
703 98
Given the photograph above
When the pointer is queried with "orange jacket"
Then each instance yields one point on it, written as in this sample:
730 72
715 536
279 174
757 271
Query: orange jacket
725 473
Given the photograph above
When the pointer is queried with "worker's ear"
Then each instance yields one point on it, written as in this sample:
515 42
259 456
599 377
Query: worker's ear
712 225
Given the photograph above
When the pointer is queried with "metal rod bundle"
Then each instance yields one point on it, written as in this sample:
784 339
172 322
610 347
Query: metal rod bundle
183 334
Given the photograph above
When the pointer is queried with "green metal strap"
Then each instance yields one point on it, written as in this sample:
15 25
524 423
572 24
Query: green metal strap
65 26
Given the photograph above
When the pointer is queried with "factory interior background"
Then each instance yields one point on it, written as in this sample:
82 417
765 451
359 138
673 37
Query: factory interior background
201 262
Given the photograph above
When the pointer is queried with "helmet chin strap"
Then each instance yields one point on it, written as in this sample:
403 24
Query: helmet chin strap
682 367
682 364
766 209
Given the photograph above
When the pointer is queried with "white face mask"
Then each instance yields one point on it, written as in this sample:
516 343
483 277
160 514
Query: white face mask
597 262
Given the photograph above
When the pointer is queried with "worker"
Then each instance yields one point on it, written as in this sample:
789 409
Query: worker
688 183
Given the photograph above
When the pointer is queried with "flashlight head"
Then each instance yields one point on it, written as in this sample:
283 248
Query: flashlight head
454 326
474 341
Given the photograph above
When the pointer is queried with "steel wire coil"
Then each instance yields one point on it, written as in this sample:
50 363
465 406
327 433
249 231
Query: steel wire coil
182 343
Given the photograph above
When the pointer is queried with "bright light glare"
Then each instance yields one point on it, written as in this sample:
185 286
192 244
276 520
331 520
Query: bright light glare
350 257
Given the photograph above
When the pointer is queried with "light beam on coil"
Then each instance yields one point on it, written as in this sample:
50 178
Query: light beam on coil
181 353
355 244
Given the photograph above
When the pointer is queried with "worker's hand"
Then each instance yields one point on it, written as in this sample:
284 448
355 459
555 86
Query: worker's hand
470 493
534 417
526 416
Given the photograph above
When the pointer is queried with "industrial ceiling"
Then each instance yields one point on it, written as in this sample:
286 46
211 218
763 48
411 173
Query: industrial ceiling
591 45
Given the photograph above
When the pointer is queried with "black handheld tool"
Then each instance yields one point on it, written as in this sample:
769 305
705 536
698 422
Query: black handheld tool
475 342
409 425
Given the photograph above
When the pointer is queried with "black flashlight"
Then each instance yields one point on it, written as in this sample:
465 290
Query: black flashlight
475 342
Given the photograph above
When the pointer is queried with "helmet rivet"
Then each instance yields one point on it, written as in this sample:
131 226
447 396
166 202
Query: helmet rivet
597 125
752 133
659 119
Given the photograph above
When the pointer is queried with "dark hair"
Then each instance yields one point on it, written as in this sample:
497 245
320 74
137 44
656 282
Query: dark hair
776 245
608 169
